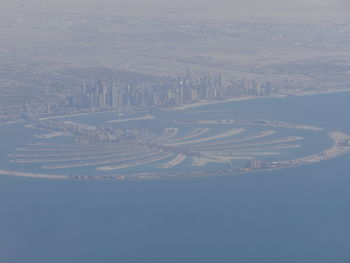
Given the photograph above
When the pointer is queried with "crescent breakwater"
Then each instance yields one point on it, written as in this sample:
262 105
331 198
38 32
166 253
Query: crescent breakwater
277 124
33 175
177 146
341 146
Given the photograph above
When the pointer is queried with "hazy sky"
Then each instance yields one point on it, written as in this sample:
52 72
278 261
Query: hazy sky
204 8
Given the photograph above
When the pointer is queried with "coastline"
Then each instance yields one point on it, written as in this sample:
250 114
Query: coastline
207 103
335 151
278 96
32 175
340 147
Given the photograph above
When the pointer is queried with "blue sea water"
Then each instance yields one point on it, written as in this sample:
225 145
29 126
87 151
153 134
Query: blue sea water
299 215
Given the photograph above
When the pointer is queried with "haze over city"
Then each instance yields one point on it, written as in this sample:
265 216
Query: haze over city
174 131
227 9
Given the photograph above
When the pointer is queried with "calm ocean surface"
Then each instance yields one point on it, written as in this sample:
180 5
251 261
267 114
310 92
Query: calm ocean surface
294 215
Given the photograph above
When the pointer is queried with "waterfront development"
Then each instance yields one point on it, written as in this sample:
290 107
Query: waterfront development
305 203
174 131
167 144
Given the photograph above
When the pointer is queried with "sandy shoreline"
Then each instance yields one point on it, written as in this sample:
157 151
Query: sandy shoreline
146 117
177 160
301 94
225 134
207 103
338 149
32 175
204 103
74 115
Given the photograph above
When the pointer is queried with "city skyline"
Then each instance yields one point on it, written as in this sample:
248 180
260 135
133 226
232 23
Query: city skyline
162 131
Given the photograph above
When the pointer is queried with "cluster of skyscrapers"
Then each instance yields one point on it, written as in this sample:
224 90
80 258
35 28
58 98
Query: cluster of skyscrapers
167 92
